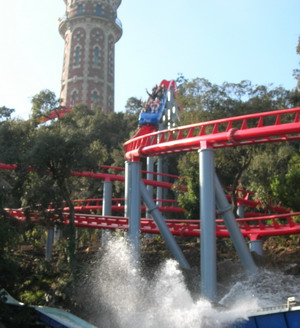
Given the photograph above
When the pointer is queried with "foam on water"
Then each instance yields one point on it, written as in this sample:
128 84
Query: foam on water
165 302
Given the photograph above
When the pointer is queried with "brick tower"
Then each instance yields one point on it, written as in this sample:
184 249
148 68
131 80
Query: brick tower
90 29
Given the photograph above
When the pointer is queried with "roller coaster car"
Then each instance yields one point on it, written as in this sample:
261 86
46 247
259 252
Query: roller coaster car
154 118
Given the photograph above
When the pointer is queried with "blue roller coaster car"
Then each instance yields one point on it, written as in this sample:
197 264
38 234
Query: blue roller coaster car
154 118
150 118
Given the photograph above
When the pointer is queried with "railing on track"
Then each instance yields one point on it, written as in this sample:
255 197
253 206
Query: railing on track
252 228
280 125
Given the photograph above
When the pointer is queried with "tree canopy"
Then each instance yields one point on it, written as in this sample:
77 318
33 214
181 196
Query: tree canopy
46 155
242 166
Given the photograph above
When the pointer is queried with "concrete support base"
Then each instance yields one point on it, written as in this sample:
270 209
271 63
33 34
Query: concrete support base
256 246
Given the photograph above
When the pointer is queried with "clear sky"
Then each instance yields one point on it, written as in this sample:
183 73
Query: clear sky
220 40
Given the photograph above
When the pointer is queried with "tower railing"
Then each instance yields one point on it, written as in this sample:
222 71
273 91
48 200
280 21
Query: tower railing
65 17
119 23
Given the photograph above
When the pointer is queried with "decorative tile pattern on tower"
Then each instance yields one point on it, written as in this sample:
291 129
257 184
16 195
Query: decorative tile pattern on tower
90 29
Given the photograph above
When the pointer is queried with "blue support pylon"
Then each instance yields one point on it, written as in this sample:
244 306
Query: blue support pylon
49 243
163 228
150 169
106 208
208 257
159 190
133 205
238 240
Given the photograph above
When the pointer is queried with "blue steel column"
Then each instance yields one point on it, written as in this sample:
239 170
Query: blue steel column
106 207
150 168
57 234
49 243
133 205
163 228
241 211
208 223
159 190
238 240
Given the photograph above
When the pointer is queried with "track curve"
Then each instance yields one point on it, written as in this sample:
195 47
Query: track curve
265 127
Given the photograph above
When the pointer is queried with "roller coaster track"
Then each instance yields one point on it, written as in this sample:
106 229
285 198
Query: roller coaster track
281 125
88 205
56 113
265 127
108 176
253 228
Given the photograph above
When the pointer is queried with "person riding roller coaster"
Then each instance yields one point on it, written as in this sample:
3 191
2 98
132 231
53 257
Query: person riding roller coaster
154 109
154 99
157 92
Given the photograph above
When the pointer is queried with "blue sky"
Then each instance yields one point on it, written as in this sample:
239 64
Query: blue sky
220 40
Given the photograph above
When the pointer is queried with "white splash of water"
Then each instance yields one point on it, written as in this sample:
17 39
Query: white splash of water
269 288
165 301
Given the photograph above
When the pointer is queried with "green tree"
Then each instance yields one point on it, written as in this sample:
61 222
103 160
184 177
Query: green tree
5 112
297 70
269 162
295 94
133 105
43 104
14 143
80 141
188 166
205 101
286 186
58 152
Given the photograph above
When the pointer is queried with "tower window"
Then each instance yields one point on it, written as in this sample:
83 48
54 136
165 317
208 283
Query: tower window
79 9
74 97
96 56
78 36
77 56
95 97
98 10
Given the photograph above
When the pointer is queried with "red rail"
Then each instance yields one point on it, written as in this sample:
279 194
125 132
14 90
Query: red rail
110 177
252 228
59 112
255 203
122 169
87 205
281 125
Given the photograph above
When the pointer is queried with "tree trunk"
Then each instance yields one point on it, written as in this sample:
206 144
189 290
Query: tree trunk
71 227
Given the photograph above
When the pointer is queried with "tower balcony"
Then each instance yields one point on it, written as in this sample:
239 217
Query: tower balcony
71 16
119 23
65 17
